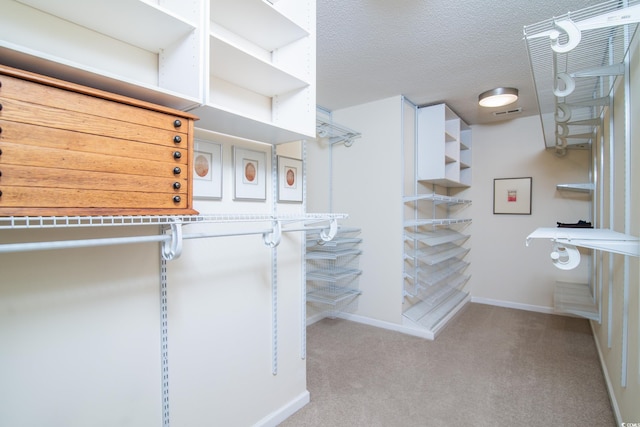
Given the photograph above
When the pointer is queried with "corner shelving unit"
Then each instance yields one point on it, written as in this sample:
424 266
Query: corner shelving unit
444 147
437 167
333 271
434 261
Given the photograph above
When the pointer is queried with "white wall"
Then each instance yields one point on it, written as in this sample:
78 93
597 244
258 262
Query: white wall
367 184
621 363
80 328
503 270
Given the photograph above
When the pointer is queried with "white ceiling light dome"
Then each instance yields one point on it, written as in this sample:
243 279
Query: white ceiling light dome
498 97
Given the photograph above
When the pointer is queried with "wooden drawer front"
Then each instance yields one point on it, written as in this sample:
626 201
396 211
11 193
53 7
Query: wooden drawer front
68 153
65 100
23 112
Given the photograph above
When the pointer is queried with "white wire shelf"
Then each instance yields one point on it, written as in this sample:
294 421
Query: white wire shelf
430 313
332 295
436 254
171 241
437 237
437 274
335 275
436 221
332 255
335 133
436 198
575 60
577 299
333 245
34 222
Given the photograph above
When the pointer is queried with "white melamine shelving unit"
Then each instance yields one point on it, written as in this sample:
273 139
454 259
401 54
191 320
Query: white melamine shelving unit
444 147
260 69
135 48
245 67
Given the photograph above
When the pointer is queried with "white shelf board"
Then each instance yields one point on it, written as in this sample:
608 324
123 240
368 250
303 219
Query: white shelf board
30 60
579 187
233 64
139 23
257 21
235 123
593 238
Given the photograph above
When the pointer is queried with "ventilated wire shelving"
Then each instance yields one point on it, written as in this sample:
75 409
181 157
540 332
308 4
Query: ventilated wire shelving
333 271
433 278
575 60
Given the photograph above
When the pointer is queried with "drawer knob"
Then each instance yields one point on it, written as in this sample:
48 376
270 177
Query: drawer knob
177 199
0 107
177 139
177 123
177 155
177 170
176 184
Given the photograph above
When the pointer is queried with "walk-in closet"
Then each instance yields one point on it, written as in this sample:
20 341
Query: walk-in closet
298 212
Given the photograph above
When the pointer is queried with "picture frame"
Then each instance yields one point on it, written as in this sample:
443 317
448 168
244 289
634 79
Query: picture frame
512 196
290 180
250 174
207 170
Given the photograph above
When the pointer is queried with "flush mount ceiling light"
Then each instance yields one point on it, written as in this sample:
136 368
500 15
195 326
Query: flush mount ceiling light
498 97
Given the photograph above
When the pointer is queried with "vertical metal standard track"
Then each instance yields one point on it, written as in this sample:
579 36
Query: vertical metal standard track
274 268
303 251
274 309
164 351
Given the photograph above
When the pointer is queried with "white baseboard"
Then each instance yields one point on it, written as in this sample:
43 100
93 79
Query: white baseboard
405 329
277 417
607 380
515 305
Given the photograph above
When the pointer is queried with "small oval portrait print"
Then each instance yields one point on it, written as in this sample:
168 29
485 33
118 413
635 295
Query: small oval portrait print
291 177
201 165
250 171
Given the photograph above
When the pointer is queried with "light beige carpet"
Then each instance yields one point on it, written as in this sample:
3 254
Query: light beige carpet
491 366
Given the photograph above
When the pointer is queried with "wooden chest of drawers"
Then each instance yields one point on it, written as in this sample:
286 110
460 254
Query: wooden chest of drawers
67 149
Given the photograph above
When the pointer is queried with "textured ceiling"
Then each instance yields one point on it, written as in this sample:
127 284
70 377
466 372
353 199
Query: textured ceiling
430 51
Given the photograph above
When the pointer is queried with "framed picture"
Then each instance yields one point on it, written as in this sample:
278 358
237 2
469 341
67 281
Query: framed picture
512 196
207 170
250 174
289 180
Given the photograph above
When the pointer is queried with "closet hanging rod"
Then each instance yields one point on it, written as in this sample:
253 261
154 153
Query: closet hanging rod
172 242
